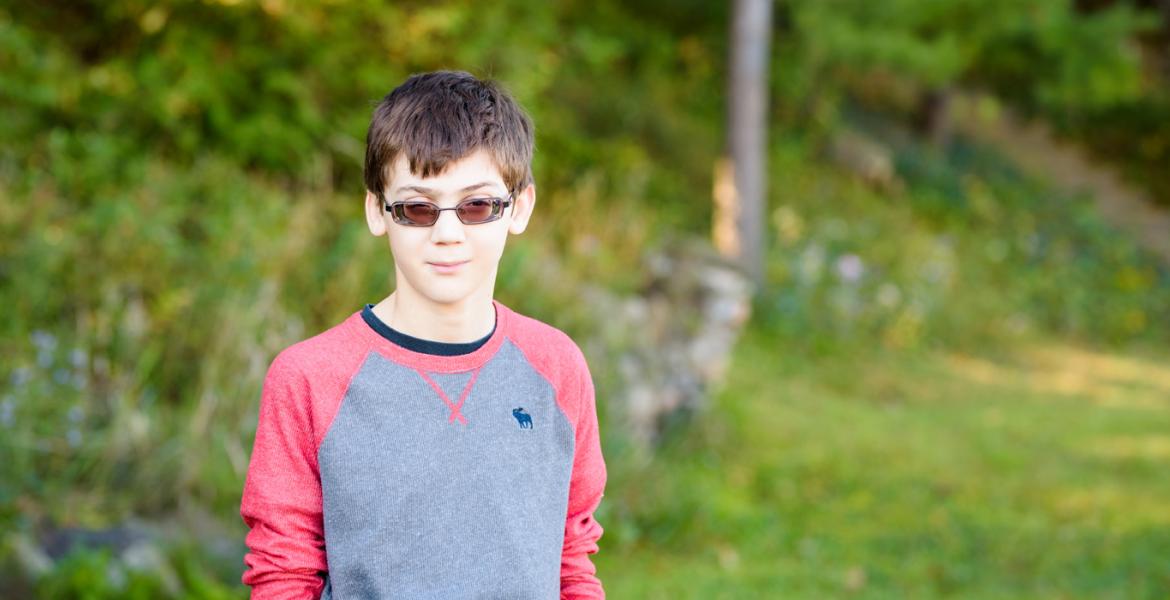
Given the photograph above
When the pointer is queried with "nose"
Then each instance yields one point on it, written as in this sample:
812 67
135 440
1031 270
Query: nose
448 229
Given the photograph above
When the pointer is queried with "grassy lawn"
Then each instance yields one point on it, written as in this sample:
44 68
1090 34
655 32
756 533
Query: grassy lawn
1038 474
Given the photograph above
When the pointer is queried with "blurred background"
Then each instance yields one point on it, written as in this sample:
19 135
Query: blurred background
946 376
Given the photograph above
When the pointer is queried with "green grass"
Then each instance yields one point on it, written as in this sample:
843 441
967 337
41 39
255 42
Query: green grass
1035 474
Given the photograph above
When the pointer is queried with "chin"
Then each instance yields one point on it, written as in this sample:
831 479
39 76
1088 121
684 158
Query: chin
447 299
445 290
447 294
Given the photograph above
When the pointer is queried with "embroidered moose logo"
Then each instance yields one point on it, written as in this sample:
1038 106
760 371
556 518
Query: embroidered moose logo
523 418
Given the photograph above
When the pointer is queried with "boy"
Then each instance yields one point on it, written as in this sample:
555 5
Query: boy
436 444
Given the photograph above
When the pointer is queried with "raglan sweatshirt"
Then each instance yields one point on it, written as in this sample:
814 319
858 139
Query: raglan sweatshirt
380 472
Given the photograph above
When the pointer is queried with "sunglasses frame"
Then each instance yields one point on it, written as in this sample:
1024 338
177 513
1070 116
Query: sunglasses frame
399 216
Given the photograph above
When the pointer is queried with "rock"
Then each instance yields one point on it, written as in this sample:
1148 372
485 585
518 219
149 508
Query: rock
867 159
675 336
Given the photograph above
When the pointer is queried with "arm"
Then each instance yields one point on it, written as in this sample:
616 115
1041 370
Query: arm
282 495
578 575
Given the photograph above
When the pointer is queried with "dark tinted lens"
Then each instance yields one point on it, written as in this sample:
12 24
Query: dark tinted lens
420 213
477 210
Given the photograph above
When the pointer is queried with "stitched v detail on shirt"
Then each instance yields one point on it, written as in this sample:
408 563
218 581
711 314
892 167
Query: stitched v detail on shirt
456 407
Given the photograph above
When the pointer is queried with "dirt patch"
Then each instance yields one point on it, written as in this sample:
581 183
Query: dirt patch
1039 153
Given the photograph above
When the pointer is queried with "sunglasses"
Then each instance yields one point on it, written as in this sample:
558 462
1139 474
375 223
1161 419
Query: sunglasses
472 211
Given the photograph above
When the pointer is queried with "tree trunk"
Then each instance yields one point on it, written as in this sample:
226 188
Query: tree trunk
934 115
741 180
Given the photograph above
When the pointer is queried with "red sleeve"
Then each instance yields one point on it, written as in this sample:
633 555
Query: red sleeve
578 575
282 494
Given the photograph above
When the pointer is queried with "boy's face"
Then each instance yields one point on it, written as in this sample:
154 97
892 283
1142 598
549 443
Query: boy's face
448 262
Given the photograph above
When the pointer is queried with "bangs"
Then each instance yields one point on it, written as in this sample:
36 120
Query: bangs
438 118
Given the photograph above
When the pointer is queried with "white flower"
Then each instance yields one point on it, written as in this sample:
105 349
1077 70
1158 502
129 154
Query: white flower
850 268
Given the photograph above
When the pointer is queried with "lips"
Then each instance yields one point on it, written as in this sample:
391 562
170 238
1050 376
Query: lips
448 266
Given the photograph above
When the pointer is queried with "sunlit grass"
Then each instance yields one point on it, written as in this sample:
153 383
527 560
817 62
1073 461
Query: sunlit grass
909 475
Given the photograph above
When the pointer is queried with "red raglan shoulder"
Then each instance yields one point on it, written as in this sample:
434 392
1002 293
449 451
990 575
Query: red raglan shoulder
282 499
556 357
326 364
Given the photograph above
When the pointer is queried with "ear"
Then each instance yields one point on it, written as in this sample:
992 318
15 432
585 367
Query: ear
522 211
375 214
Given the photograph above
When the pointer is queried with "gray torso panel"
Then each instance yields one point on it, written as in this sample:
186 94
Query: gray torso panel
426 499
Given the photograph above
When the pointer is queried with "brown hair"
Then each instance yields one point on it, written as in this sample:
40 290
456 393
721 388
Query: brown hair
442 116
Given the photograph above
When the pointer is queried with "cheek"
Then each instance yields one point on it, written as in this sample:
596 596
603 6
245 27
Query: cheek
491 246
405 243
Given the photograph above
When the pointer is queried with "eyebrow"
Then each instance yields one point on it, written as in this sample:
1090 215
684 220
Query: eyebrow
426 190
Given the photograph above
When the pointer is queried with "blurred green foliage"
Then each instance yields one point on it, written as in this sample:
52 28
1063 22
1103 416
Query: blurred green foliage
982 256
180 198
1046 50
1094 69
91 575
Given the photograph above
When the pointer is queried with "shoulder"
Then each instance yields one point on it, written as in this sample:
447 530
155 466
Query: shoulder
550 351
544 340
557 358
331 350
307 380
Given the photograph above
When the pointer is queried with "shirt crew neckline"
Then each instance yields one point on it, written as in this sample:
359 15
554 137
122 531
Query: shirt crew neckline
434 363
424 346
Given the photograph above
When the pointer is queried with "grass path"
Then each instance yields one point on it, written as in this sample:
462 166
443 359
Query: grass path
1040 474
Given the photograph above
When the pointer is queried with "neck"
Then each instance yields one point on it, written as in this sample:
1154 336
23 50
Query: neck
456 323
